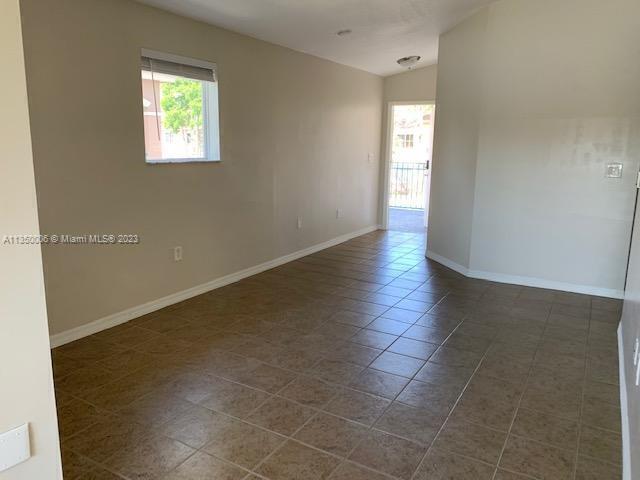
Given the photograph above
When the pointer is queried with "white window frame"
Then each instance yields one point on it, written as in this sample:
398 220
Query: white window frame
211 110
404 140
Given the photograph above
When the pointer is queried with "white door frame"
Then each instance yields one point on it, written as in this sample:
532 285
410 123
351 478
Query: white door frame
387 156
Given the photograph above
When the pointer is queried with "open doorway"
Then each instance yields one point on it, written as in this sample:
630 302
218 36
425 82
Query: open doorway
408 166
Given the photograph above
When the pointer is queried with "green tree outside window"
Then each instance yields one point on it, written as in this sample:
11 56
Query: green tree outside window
181 103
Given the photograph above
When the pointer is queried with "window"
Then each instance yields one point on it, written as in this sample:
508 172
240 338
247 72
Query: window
405 140
180 109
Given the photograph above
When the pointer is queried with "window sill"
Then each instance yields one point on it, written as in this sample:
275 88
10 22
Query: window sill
180 160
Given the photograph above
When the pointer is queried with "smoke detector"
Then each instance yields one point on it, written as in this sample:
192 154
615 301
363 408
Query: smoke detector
409 62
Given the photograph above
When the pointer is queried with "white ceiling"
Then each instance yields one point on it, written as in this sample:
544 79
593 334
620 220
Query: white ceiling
383 30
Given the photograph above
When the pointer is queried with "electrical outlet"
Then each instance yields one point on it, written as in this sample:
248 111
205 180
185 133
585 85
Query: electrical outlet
177 253
338 213
370 158
299 223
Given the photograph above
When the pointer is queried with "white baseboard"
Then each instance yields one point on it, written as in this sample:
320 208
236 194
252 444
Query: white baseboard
448 263
139 310
624 410
526 281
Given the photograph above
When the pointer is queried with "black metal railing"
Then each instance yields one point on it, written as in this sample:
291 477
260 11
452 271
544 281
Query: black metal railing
407 185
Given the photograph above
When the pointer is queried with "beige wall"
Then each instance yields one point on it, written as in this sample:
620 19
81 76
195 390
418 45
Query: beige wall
25 364
534 99
411 86
296 133
456 140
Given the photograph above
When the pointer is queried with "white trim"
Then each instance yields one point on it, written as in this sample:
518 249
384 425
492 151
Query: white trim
387 168
548 284
211 113
526 281
387 156
448 263
624 410
156 161
139 310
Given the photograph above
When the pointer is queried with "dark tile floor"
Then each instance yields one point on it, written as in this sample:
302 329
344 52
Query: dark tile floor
361 362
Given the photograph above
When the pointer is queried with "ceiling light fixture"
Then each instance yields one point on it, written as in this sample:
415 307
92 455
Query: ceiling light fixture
342 33
409 62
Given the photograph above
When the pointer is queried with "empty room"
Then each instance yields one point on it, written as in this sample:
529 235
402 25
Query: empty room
320 240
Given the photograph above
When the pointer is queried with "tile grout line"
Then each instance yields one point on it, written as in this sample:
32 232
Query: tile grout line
521 396
582 395
371 428
236 382
320 411
285 438
407 269
451 410
292 435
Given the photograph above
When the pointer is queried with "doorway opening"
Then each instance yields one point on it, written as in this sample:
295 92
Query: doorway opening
408 166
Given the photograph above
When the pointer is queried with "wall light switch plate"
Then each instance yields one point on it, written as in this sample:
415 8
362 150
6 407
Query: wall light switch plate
370 158
614 170
14 447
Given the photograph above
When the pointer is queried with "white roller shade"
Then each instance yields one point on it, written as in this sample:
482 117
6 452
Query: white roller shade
179 69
